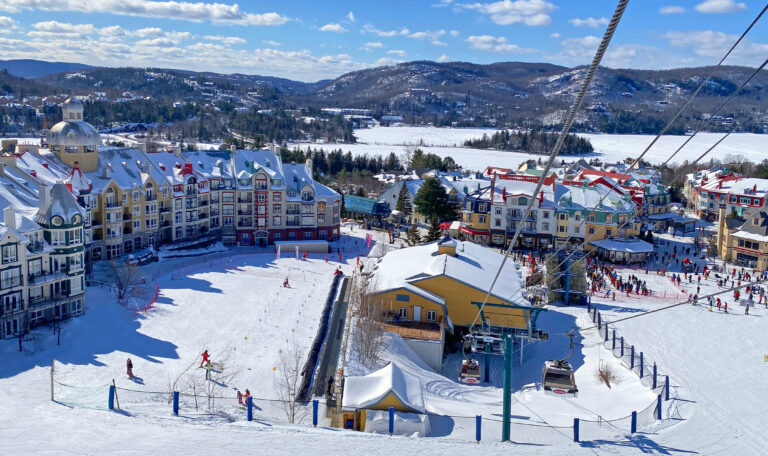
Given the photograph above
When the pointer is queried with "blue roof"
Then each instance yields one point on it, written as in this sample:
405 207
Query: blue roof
367 206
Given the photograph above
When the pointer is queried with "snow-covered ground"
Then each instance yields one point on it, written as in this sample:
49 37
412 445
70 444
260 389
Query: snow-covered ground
381 141
714 360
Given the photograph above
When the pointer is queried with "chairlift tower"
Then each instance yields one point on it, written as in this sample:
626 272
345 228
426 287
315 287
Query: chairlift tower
566 277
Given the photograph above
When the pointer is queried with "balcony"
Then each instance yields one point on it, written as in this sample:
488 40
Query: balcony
244 200
150 197
36 247
244 223
248 212
202 216
111 204
203 203
292 212
165 223
127 217
164 210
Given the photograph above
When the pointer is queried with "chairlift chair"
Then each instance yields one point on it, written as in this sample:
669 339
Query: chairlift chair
470 371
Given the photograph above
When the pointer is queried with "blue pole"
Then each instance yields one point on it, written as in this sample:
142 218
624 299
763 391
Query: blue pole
567 282
622 346
633 428
632 358
111 402
250 408
575 429
391 420
655 374
641 364
606 332
614 340
314 413
666 388
176 403
599 320
658 407
478 427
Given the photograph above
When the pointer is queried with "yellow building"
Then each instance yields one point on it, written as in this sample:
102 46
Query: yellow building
366 401
446 283
744 241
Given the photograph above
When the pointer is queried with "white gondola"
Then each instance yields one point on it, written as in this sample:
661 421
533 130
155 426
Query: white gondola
557 376
557 379
470 371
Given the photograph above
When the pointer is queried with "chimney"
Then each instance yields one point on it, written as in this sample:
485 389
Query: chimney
10 217
276 150
44 197
309 167
105 171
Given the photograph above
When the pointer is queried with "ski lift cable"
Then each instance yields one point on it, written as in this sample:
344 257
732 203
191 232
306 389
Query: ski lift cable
609 32
664 130
718 142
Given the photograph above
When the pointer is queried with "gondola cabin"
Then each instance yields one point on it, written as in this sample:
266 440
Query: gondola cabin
558 380
470 371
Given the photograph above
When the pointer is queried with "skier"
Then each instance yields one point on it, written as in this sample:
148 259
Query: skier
725 307
246 396
285 283
208 367
205 356
129 368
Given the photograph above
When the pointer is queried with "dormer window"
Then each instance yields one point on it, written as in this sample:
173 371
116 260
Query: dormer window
756 221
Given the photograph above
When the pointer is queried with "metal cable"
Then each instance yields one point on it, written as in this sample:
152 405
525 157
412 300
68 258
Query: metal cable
617 14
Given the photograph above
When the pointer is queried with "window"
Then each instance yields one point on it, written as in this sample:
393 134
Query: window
431 315
137 225
561 229
577 229
57 238
125 197
321 205
607 232
276 221
498 211
177 204
756 221
165 192
75 236
278 236
179 232
178 217
320 218
9 253
609 218
522 201
12 302
307 235
137 210
481 219
591 230
276 196
276 208
10 277
591 218
545 214
497 222
403 313
135 195
563 216
261 197
545 226
482 207
577 216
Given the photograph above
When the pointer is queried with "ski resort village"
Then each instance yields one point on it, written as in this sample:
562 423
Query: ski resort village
233 301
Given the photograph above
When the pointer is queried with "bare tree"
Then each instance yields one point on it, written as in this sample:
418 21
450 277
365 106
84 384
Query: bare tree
606 374
125 279
288 382
203 391
368 318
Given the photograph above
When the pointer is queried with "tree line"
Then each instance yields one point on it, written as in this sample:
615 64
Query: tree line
533 141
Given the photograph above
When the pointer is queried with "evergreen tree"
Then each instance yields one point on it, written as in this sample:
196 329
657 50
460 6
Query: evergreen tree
361 192
434 232
404 202
432 201
412 235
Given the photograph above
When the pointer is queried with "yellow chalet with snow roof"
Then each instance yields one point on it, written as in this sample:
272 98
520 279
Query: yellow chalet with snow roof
446 282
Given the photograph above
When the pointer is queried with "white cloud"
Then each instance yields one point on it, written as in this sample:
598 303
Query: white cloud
371 45
228 40
351 16
6 23
590 22
713 45
454 33
333 27
554 35
672 9
157 42
271 42
432 37
63 28
720 6
397 52
190 11
386 61
443 58
442 3
497 44
368 28
506 12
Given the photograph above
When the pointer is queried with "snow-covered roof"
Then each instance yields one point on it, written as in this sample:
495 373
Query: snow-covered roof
473 265
367 391
624 245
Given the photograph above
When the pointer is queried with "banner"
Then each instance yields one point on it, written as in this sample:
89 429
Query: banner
278 251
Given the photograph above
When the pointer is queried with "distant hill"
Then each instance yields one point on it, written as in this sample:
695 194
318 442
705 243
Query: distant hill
28 68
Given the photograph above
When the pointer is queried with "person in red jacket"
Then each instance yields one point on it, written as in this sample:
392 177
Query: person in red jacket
206 357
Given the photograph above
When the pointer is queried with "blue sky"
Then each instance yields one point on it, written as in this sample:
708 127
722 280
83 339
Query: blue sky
312 40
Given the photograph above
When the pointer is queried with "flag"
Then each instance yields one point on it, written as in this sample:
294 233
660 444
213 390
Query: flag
297 252
368 240
278 251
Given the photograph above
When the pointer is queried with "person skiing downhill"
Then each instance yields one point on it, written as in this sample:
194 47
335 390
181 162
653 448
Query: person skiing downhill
129 368
205 356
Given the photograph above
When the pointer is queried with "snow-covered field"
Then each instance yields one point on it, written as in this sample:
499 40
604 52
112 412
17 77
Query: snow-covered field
719 385
381 141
